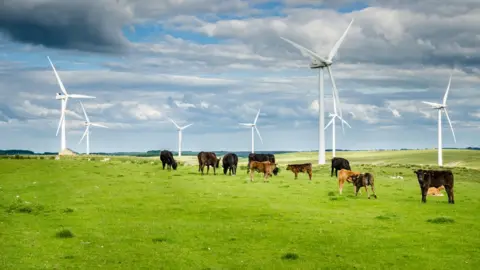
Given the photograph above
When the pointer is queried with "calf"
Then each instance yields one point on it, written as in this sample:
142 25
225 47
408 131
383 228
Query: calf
338 164
435 178
230 162
265 167
364 180
207 159
167 158
260 158
303 168
345 175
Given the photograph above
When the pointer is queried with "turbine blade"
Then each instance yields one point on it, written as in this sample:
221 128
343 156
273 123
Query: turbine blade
334 50
329 123
62 115
184 127
346 123
84 133
336 95
435 105
171 120
451 127
80 96
258 132
84 112
256 117
98 125
305 50
446 92
60 83
245 124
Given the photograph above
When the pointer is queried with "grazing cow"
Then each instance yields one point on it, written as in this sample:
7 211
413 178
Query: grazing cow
345 175
435 178
230 162
265 167
207 159
167 158
339 163
364 180
303 168
260 158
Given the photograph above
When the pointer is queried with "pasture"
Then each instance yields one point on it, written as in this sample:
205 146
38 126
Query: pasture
128 213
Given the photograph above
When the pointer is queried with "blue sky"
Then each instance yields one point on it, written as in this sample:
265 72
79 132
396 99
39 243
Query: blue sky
214 63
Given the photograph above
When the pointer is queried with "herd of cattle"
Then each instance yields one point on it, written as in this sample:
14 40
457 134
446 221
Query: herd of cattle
265 163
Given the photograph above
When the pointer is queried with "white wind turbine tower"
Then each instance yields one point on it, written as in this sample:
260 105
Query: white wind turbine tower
87 129
321 63
180 129
440 108
254 126
332 122
64 96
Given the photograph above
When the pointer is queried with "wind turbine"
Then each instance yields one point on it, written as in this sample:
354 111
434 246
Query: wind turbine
87 129
64 96
180 129
321 63
440 108
332 122
254 126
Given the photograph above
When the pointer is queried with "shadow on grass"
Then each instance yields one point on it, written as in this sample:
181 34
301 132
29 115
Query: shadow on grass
441 220
290 256
159 240
64 233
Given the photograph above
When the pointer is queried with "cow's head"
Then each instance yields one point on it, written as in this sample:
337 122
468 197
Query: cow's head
174 164
356 177
276 169
218 163
289 167
420 175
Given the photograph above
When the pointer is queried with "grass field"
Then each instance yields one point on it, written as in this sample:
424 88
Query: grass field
128 213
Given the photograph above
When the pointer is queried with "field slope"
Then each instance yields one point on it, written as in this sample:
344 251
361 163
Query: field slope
131 214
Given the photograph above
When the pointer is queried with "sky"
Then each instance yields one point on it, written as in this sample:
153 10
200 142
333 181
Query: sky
215 63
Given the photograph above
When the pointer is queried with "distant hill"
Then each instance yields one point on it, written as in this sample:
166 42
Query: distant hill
156 153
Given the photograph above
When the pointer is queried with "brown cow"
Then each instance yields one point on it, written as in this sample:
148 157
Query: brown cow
207 159
345 175
303 168
364 180
435 178
265 167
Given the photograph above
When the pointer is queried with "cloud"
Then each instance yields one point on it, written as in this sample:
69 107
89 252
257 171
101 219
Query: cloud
85 25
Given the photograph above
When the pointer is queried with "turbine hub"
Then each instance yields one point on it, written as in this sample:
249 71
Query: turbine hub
60 96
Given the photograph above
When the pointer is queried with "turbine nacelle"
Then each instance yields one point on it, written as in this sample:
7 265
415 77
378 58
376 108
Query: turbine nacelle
60 96
319 64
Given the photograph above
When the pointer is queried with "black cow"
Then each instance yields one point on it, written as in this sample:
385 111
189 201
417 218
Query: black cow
435 178
207 159
230 162
339 163
261 158
167 158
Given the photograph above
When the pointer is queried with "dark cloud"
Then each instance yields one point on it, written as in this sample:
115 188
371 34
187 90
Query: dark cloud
85 25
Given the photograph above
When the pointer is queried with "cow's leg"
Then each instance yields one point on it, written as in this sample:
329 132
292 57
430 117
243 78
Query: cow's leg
356 189
331 172
296 175
203 166
424 193
214 173
163 165
340 187
449 191
208 169
251 176
366 190
373 191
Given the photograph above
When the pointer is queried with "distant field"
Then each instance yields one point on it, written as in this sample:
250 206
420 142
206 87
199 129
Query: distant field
128 213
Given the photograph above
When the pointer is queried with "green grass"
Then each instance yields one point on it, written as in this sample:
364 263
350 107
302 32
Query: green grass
130 214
